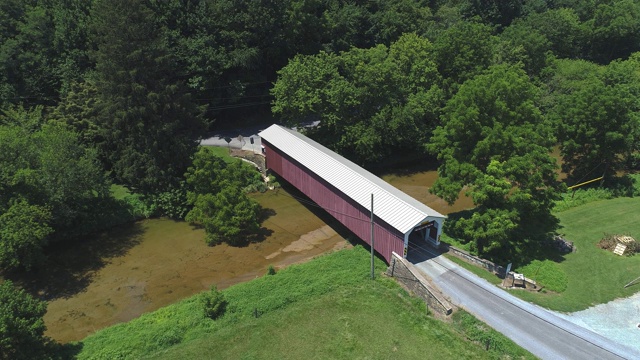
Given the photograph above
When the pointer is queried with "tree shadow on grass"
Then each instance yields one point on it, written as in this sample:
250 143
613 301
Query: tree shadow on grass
71 266
534 241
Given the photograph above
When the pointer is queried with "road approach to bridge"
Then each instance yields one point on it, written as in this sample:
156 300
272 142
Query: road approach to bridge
538 330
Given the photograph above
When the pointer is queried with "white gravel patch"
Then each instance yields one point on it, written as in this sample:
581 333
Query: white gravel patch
618 320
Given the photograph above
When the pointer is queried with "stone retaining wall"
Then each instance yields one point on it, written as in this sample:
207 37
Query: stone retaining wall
474 260
406 273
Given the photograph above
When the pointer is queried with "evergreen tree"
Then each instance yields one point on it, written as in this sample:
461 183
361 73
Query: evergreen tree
148 122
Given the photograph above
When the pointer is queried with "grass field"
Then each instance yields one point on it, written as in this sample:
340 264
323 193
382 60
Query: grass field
222 152
326 308
595 276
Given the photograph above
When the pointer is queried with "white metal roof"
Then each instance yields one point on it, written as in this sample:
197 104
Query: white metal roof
390 204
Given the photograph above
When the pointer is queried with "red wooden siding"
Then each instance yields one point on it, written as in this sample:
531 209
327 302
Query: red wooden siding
344 209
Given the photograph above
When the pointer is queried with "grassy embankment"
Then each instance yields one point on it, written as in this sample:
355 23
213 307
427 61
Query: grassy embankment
326 308
590 275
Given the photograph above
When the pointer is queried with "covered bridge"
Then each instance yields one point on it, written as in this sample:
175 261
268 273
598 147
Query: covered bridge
344 190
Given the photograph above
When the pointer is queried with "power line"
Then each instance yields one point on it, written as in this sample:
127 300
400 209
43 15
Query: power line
590 171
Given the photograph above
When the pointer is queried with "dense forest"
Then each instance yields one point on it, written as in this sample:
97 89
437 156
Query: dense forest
95 93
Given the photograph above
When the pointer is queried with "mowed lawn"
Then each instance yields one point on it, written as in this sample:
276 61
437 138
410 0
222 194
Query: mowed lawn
595 276
327 308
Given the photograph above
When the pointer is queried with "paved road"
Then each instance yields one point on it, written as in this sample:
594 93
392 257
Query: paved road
538 330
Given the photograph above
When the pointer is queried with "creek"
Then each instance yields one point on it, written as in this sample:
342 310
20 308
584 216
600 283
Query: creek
119 275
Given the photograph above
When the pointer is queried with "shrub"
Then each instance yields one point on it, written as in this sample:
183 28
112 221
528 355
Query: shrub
256 187
140 208
271 270
214 303
171 203
274 182
480 333
573 199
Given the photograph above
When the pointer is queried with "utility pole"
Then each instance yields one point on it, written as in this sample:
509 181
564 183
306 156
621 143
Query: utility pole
373 273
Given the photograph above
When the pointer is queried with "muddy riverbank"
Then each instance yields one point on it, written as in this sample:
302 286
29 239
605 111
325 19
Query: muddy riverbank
163 261
123 273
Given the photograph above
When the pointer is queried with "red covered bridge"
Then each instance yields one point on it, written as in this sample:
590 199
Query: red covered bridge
344 190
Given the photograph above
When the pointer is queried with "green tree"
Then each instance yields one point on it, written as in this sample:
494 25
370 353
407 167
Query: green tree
23 232
149 125
51 169
78 111
392 18
210 174
346 24
21 324
43 48
27 56
29 119
371 102
494 143
70 40
227 216
526 46
69 176
598 121
562 28
463 51
220 204
495 12
615 30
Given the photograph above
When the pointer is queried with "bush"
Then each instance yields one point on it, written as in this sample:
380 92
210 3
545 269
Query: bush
271 270
628 185
273 182
138 207
214 303
171 203
573 199
255 187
